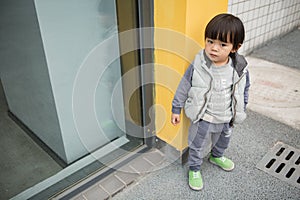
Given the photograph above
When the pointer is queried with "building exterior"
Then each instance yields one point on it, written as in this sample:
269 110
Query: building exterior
80 88
263 21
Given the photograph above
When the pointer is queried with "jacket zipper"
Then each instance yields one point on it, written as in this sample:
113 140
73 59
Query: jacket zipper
205 95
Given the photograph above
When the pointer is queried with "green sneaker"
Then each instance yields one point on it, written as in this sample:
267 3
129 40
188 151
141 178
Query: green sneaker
222 162
195 180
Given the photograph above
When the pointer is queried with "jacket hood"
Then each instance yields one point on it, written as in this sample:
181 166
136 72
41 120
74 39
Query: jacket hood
239 62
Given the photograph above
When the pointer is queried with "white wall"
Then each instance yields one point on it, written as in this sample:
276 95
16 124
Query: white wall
265 19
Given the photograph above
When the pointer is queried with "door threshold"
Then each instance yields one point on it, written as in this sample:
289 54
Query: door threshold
73 168
107 183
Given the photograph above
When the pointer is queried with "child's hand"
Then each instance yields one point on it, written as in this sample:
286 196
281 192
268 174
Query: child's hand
175 119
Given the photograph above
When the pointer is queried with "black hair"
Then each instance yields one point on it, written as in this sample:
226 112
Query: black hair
226 26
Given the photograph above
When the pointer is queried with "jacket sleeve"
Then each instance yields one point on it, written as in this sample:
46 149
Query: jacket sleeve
182 90
246 91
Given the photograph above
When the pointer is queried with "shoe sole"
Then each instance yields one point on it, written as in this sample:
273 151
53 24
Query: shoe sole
225 169
196 188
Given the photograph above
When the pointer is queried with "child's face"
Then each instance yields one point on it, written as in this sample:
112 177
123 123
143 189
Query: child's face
218 51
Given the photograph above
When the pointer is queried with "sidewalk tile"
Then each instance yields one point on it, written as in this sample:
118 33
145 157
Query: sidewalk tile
95 192
112 184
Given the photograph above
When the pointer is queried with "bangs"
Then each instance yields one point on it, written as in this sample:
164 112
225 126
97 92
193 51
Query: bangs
221 33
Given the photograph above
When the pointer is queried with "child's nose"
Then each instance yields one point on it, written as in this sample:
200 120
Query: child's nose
215 47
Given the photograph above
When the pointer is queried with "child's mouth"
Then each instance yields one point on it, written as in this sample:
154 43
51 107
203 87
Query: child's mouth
213 55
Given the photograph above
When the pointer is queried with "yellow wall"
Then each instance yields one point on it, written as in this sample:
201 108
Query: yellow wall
179 35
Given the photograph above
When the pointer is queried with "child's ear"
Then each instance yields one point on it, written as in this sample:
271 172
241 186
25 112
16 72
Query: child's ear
235 50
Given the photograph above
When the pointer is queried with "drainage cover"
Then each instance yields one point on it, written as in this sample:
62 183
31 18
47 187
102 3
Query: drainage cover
283 162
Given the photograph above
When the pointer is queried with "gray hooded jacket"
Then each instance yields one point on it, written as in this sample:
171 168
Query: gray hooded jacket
195 88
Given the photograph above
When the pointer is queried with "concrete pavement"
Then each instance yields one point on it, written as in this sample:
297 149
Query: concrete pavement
283 50
275 91
250 142
275 78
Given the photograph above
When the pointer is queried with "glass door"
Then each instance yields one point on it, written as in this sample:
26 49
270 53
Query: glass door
71 71
82 50
97 115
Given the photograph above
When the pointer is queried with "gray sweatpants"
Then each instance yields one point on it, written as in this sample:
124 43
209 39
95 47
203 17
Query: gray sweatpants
205 136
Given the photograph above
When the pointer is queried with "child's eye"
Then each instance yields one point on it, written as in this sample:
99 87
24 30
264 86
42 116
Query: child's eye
223 45
210 41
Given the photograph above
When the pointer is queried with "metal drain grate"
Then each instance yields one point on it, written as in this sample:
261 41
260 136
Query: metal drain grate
283 162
